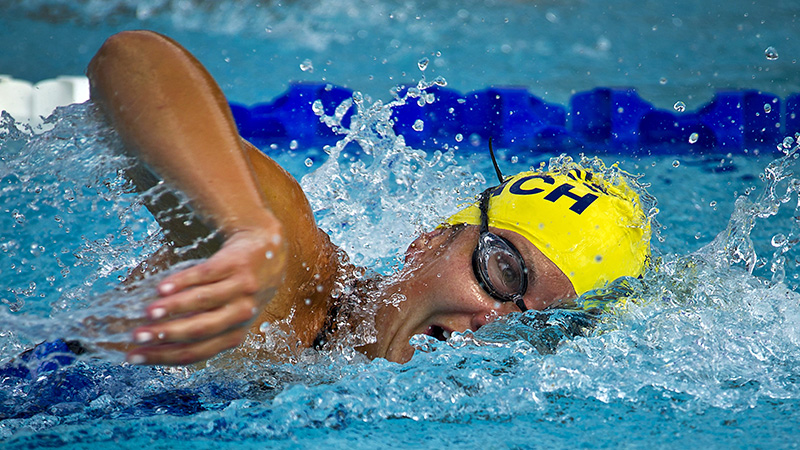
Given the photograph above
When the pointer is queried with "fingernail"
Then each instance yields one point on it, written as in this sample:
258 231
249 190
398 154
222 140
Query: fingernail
135 359
157 313
166 288
143 337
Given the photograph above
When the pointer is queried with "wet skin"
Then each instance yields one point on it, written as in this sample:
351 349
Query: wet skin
443 296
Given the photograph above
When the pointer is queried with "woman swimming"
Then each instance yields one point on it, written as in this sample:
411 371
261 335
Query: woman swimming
532 242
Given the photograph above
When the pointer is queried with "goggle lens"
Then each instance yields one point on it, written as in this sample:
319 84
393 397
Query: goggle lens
500 268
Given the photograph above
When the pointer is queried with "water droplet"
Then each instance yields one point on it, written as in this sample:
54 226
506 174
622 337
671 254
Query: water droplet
307 66
779 240
423 64
18 216
767 108
676 163
419 125
309 162
679 106
317 107
771 53
269 254
475 139
693 138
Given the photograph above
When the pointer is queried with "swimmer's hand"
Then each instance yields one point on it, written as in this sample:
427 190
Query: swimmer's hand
206 309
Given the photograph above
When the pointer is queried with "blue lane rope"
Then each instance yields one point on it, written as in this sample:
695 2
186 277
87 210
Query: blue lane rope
613 120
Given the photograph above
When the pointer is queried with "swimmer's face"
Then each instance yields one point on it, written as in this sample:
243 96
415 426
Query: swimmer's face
443 295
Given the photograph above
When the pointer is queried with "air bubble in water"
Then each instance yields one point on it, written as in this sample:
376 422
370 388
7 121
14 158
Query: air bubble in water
662 80
423 64
459 137
419 125
307 66
309 162
788 141
293 145
514 159
693 138
679 106
767 108
771 53
676 163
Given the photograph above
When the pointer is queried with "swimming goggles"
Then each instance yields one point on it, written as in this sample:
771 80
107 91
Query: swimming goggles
498 265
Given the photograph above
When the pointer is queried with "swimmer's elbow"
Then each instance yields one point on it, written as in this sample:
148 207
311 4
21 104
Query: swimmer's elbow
123 53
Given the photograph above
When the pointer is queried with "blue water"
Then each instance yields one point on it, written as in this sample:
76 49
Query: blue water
702 354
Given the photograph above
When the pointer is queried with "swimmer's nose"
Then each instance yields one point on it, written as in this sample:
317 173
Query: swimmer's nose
481 319
489 315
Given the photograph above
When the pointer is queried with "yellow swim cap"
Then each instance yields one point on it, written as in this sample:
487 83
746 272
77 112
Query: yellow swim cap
593 230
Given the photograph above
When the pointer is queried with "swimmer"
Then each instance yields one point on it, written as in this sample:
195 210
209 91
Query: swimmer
531 243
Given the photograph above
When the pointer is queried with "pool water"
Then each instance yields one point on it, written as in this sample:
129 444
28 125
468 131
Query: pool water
705 352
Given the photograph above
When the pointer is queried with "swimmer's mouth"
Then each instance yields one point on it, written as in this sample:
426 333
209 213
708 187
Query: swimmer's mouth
437 332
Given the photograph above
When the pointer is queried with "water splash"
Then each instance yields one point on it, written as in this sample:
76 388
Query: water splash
73 230
374 184
734 244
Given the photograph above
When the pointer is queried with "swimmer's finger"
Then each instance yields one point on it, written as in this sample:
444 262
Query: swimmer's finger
204 273
198 299
200 326
186 353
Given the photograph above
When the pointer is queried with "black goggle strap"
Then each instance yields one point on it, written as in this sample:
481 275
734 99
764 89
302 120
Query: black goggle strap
484 207
520 302
494 162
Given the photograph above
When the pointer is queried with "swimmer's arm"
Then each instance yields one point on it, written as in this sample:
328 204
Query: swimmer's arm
169 112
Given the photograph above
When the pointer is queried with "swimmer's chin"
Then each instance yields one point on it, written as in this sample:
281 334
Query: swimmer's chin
401 355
